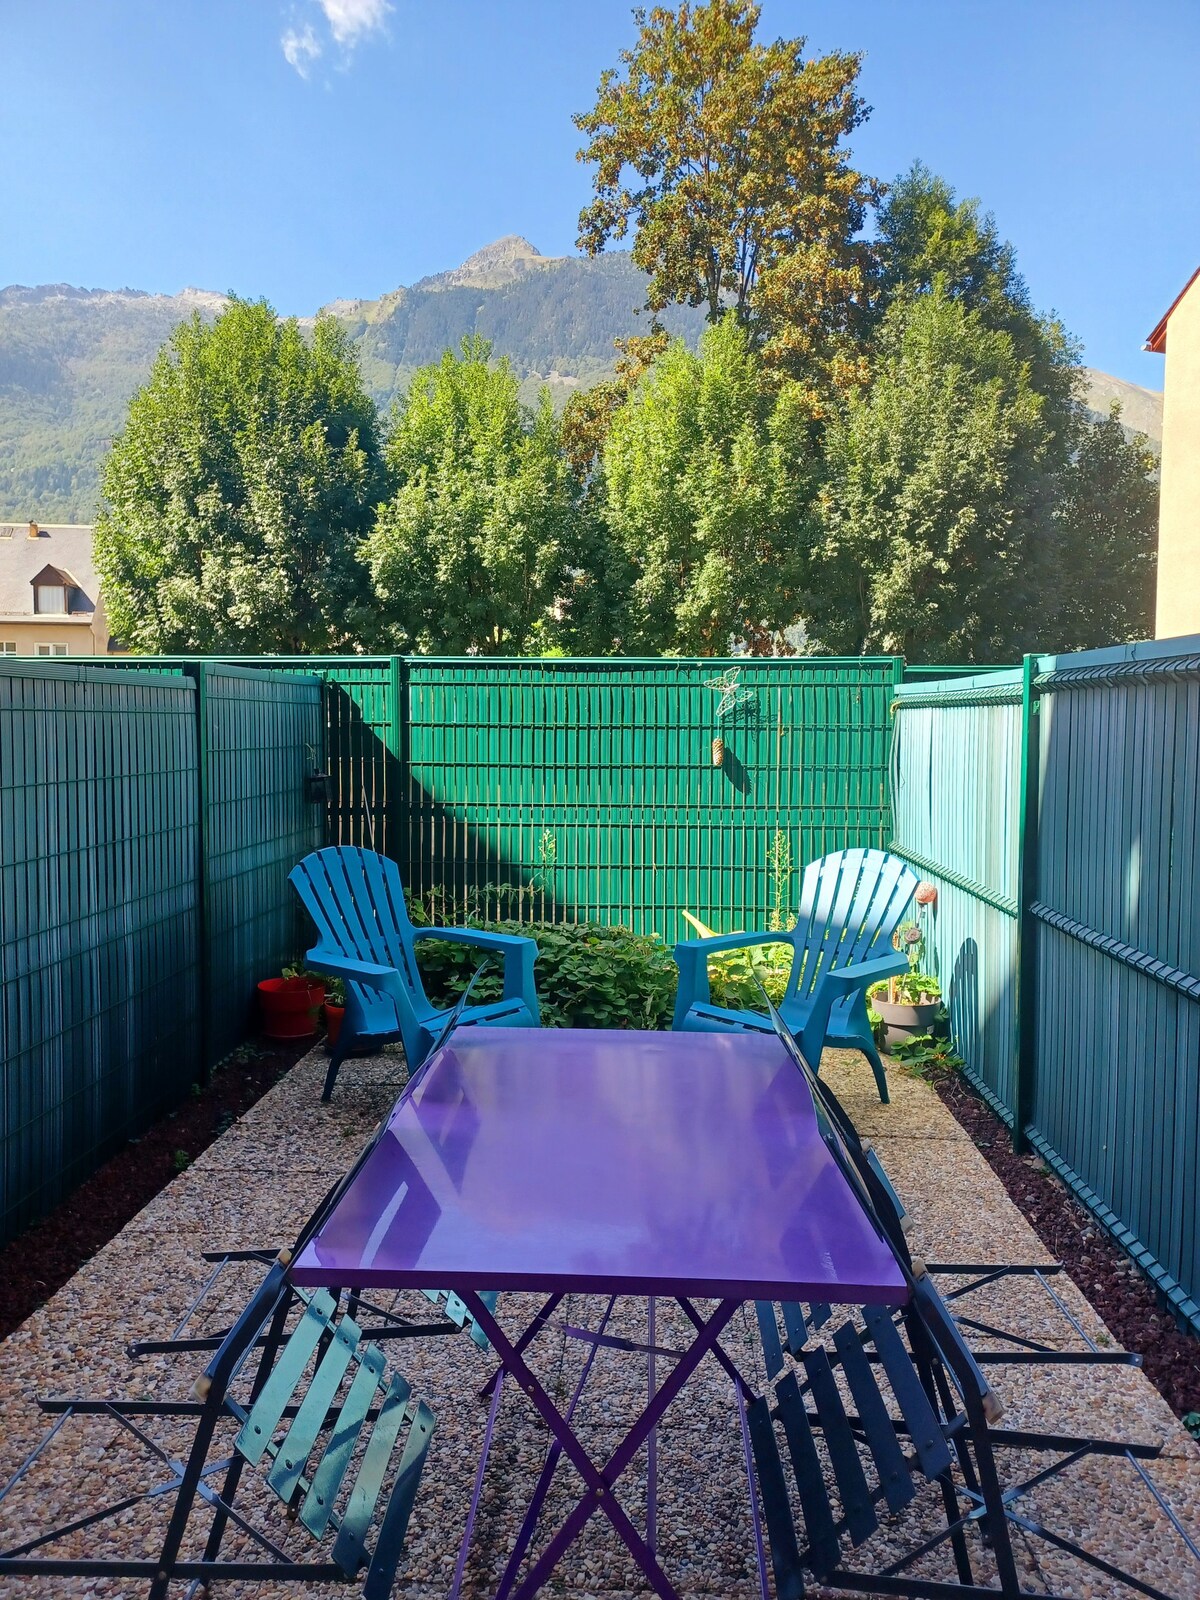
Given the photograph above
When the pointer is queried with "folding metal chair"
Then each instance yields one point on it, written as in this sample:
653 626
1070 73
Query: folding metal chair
871 1403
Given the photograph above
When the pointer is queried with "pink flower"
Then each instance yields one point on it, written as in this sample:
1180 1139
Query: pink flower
926 894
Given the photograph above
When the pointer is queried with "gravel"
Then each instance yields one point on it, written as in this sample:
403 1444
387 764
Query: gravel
256 1184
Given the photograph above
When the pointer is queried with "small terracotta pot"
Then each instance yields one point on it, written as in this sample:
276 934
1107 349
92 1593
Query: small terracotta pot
333 1023
289 1007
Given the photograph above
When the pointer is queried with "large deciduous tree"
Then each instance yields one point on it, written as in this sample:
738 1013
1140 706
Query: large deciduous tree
1107 519
939 502
239 489
708 481
727 158
476 549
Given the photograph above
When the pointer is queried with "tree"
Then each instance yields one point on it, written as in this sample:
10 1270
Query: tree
475 550
1108 541
708 479
939 537
930 240
726 156
239 489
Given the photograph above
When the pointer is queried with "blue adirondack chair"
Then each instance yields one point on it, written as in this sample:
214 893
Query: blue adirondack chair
851 903
366 938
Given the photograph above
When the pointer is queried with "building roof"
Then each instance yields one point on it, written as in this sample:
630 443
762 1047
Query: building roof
1157 342
65 548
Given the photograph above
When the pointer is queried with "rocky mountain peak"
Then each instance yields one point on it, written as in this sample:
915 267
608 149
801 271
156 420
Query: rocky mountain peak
498 263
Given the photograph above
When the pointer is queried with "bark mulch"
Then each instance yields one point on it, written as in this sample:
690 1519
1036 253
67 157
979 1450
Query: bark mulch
39 1261
1119 1290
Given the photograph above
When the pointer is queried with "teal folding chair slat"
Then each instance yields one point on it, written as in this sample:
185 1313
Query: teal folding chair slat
768 1333
851 903
317 1506
298 1442
823 1552
881 1438
350 1546
268 1409
919 1417
777 1511
857 1505
389 1545
457 1311
366 937
795 1327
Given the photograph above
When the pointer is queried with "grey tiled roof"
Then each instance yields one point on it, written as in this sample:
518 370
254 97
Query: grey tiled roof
67 546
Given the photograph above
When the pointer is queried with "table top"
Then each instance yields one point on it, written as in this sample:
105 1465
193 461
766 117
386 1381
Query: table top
602 1161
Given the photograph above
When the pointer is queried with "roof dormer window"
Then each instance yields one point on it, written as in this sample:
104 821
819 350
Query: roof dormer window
56 593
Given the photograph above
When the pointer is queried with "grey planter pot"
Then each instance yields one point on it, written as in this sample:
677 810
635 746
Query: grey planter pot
903 1021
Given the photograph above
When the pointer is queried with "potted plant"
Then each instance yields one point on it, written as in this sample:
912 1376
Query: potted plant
335 1009
907 1005
288 1005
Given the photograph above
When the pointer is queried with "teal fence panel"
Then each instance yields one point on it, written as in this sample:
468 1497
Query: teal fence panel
956 767
579 789
99 901
1115 1096
262 736
1081 1021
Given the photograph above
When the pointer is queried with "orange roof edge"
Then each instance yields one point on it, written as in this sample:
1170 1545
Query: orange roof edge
1157 342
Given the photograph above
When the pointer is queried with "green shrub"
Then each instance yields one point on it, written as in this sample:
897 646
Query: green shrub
588 976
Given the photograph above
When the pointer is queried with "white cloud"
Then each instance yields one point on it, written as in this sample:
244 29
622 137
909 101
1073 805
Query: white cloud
349 22
301 48
352 20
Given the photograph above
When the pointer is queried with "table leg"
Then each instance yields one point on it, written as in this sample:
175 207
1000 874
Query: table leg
599 1481
526 1339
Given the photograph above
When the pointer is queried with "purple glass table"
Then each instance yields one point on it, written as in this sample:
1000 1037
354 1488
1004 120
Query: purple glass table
650 1164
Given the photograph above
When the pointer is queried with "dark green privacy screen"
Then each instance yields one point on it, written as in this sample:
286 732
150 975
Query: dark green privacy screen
99 970
589 789
262 736
148 820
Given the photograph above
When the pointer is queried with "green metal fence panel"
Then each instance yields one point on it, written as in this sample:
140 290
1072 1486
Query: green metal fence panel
99 833
262 735
1116 1094
956 766
1109 1072
363 710
582 789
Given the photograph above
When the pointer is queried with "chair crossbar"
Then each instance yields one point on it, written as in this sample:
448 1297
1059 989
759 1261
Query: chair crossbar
454 1308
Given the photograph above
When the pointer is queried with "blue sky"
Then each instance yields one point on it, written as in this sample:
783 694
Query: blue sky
310 149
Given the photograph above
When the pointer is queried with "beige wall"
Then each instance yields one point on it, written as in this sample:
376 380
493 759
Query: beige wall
78 637
1178 608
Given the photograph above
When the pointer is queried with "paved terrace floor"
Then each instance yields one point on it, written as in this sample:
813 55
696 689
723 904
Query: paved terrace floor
258 1182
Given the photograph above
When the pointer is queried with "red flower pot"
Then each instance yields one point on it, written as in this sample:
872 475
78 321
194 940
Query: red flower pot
333 1023
289 1006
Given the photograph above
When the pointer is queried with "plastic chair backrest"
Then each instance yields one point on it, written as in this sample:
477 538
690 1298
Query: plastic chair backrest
356 899
851 903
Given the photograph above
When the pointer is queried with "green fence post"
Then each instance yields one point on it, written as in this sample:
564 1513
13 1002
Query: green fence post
198 671
1027 874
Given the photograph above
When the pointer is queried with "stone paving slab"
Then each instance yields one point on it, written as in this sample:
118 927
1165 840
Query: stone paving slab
257 1184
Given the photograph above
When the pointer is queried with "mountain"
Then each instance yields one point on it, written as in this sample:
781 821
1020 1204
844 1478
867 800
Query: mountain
70 358
1141 409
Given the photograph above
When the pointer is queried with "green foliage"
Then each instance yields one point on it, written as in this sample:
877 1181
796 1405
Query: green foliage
238 492
1107 521
180 1161
726 157
937 503
913 988
707 484
736 978
926 1056
588 975
479 539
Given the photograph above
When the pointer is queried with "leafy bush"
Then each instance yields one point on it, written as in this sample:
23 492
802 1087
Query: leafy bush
588 975
912 989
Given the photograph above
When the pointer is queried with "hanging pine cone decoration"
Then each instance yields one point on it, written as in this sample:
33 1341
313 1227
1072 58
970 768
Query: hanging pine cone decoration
718 752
